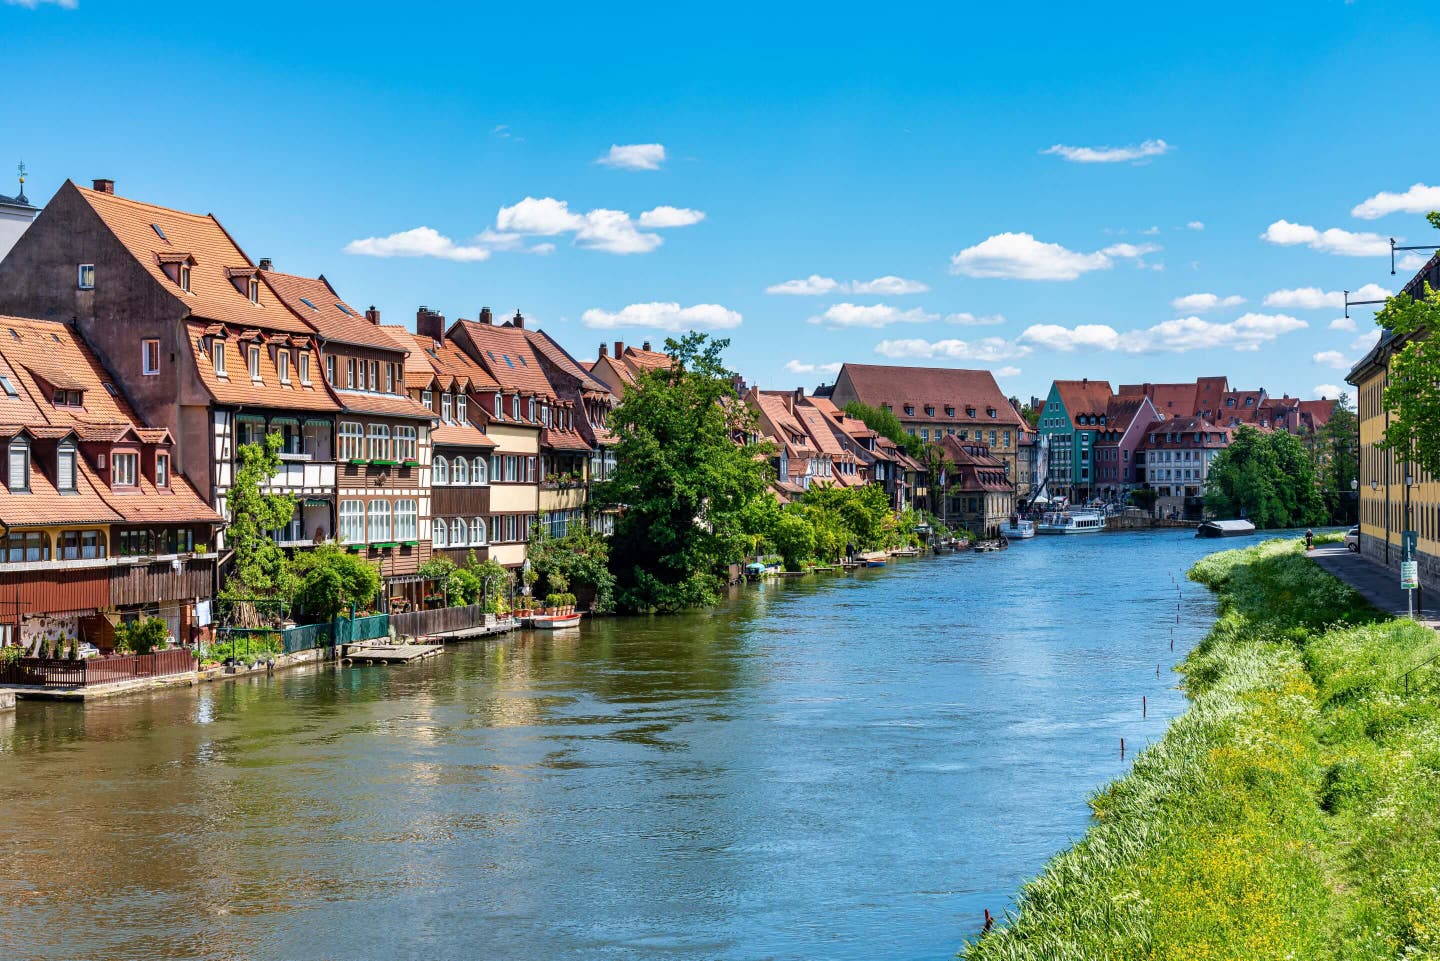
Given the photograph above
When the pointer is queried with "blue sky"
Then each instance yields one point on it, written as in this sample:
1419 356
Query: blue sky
902 156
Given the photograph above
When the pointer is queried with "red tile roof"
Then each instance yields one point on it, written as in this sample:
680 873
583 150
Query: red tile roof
1083 397
938 387
238 388
506 354
557 355
459 435
388 405
327 312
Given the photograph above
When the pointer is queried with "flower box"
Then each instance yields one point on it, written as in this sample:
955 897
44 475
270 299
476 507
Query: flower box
357 461
410 543
384 545
383 463
410 463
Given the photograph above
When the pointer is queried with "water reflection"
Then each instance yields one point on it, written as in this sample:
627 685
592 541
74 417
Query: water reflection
846 768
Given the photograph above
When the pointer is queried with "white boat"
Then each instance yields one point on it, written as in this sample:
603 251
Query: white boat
1070 522
1235 528
555 622
1016 529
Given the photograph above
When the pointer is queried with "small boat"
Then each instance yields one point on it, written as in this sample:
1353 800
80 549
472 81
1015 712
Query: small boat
754 571
554 622
1018 529
873 559
1070 522
905 552
1235 528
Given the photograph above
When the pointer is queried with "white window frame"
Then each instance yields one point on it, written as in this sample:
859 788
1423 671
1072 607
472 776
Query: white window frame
379 521
461 415
218 357
439 471
427 397
458 533
150 356
352 522
330 370
19 479
406 520
254 291
389 378
439 532
405 445
252 354
351 444
446 406
123 470
480 472
477 532
184 275
282 365
162 470
460 472
499 406
80 276
378 442
305 367
66 451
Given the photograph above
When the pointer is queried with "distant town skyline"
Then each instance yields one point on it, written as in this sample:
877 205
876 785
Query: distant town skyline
1137 198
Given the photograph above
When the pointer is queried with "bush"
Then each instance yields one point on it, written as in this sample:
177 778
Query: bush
257 646
137 637
463 587
560 599
331 581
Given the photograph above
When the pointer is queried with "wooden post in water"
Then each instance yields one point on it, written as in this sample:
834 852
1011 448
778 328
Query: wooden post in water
1122 749
1144 707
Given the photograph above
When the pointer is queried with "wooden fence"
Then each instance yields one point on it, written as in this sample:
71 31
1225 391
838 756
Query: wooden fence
440 620
62 672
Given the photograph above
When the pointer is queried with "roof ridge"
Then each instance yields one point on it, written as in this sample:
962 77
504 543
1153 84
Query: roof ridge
88 193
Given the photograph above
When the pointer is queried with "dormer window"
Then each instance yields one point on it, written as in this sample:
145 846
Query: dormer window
515 406
909 408
254 291
499 406
445 408
969 411
19 466
65 466
949 411
305 368
389 378
254 358
282 364
217 348
123 470
929 410
427 397
162 470
531 410
185 277
330 370
461 415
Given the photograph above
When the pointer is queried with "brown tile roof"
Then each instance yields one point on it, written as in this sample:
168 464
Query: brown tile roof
879 385
505 352
31 350
446 362
1083 397
147 504
238 388
388 405
562 440
44 505
1172 400
557 355
330 315
459 435
212 295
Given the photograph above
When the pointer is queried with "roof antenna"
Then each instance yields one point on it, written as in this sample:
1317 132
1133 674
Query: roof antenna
21 168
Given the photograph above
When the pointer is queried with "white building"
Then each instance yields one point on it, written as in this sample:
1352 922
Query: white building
16 214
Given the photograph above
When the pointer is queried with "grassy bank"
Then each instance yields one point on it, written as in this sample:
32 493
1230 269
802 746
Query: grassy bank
1289 813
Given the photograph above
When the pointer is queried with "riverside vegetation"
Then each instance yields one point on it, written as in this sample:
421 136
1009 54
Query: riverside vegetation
1289 813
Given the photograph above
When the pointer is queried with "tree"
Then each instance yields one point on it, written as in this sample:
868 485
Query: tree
1266 478
1296 483
682 478
580 558
885 423
260 569
1339 461
1412 396
794 539
331 581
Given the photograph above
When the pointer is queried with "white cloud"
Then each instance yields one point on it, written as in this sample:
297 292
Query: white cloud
889 285
1411 261
545 216
871 315
801 367
1332 392
667 216
1203 302
35 4
815 285
1008 370
1331 358
614 232
1313 298
988 349
635 156
967 319
1343 323
1332 241
664 316
1020 256
417 242
1150 231
1110 155
1247 332
1418 199
1365 341
1195 225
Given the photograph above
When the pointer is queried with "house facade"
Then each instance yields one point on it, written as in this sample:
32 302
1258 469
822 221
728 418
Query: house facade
1074 416
1178 455
977 493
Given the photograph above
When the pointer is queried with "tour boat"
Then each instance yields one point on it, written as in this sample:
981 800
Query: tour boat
1017 529
1070 522
1236 528
555 622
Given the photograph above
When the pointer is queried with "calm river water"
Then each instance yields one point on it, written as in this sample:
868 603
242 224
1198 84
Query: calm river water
844 767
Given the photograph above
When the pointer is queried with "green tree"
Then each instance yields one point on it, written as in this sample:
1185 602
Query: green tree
794 539
1266 478
1339 461
330 580
260 568
580 558
685 475
1412 394
1296 484
885 423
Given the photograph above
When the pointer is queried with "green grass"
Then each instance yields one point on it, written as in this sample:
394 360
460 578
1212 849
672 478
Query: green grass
1289 813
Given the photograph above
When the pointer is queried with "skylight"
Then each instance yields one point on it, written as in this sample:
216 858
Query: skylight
508 362
160 232
492 355
110 388
9 387
307 303
345 310
523 363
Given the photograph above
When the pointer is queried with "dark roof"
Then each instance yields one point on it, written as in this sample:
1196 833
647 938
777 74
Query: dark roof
881 385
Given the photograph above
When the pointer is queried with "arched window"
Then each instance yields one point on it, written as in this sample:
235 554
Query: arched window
478 472
438 532
477 532
460 472
457 532
440 472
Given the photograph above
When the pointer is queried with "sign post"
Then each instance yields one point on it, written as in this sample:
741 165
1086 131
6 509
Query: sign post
1409 569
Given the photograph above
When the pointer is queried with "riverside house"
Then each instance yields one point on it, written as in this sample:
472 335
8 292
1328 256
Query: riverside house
99 527
1178 455
196 341
976 493
1117 464
1074 416
381 504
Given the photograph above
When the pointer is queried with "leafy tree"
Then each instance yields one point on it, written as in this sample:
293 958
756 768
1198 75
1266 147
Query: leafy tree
794 539
331 580
581 557
494 580
260 568
1339 465
1296 484
885 422
683 479
462 587
1412 396
1267 478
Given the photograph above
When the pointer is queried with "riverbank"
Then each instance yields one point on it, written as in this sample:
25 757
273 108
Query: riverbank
1289 813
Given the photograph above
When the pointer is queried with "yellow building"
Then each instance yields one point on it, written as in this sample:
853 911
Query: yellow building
1394 495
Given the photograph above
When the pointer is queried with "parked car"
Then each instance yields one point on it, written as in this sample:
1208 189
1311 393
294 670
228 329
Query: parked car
1352 539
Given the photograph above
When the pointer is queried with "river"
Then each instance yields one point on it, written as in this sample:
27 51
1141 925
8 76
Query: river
848 767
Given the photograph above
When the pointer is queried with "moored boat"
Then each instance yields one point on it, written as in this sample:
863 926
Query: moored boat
555 622
1232 528
873 559
1018 529
1070 522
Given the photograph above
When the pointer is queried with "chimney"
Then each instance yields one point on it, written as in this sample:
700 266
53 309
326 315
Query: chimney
645 346
485 317
604 349
790 401
518 320
104 186
373 315
619 347
1085 382
266 263
430 323
799 396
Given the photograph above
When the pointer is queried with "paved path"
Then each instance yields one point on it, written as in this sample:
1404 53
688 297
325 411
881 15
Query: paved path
1376 583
